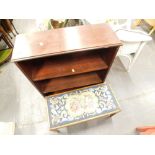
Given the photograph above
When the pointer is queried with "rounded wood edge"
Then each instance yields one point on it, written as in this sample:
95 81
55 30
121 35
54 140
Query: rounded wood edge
78 122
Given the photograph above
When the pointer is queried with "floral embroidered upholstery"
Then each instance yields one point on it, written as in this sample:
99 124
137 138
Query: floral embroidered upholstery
82 104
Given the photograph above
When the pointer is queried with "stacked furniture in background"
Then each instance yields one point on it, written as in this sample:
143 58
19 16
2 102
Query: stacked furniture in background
6 51
4 36
150 22
9 27
133 41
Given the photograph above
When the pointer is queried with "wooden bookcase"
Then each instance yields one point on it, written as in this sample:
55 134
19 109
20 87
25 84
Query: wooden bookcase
67 58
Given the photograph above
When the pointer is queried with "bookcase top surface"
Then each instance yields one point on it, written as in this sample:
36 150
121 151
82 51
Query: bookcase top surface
63 40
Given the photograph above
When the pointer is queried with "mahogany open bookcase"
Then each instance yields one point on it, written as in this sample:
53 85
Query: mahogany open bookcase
66 58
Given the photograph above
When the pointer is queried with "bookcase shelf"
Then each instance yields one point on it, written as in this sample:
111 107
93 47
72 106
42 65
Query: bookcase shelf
70 64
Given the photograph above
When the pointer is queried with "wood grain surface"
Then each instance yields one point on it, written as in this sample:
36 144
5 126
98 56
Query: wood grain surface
67 82
63 40
70 64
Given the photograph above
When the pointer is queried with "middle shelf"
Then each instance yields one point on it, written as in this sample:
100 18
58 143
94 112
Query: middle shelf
65 65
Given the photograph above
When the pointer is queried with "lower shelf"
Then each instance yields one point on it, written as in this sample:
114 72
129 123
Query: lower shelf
67 82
